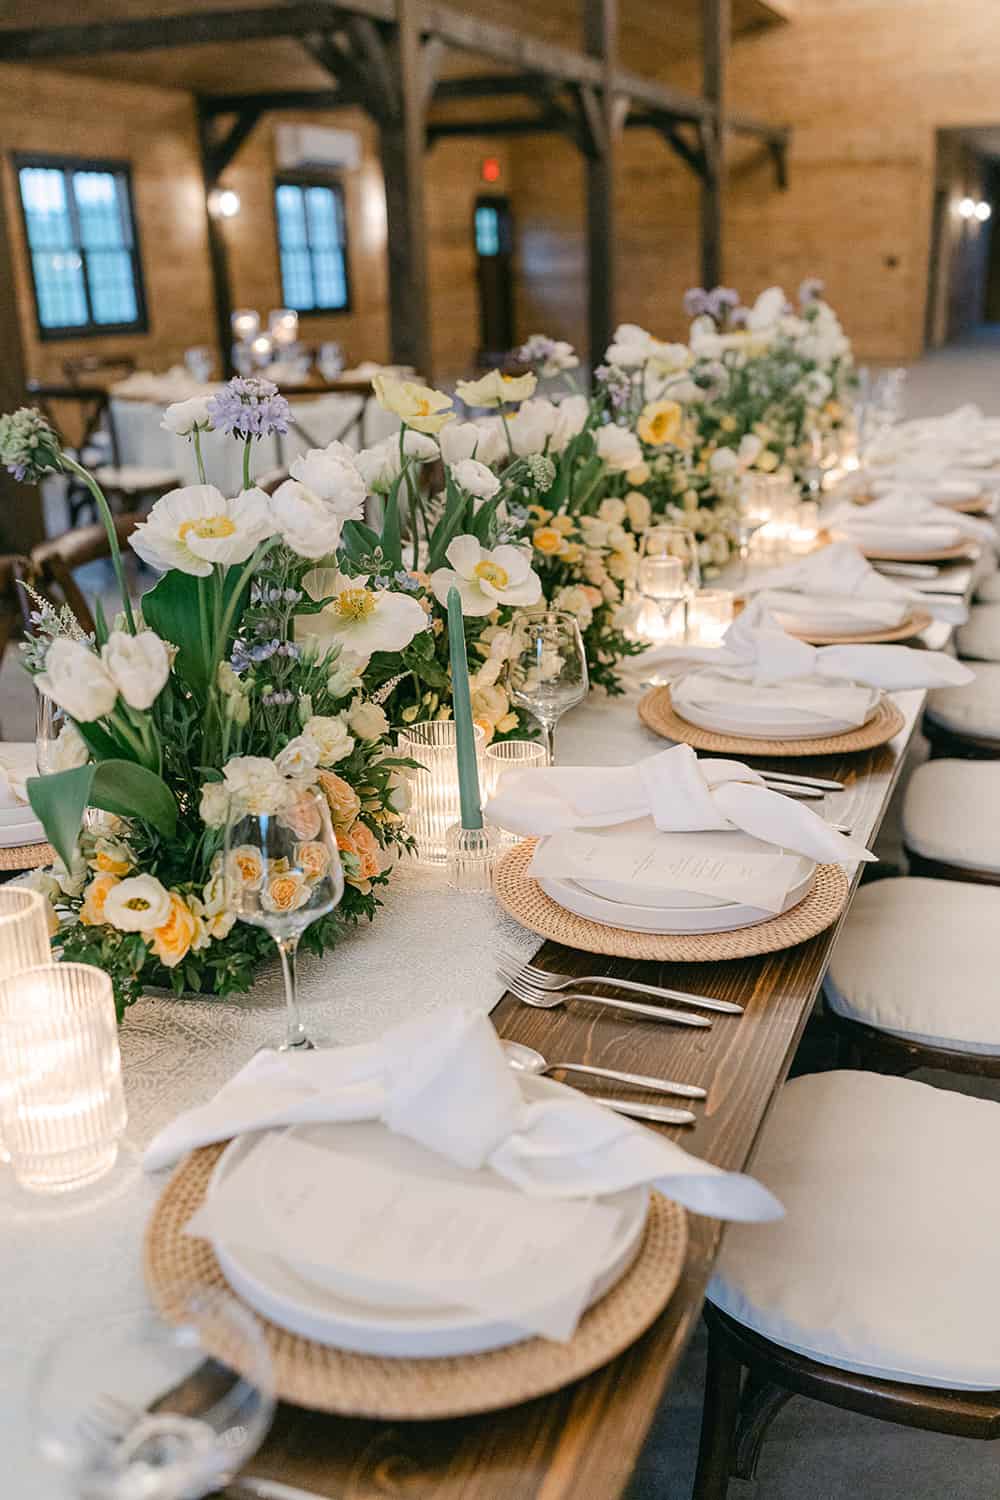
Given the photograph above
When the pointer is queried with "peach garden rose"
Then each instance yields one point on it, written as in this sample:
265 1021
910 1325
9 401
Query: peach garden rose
313 858
342 800
174 939
285 891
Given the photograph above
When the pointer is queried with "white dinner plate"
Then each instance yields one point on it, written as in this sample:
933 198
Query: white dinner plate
28 831
649 919
720 718
287 1298
695 905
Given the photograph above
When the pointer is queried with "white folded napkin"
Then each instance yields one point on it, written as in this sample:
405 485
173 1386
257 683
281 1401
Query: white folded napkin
681 793
758 649
822 614
804 700
946 490
841 569
444 1081
909 519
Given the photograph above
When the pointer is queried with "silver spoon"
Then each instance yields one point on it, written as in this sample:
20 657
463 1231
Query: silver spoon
527 1060
660 1114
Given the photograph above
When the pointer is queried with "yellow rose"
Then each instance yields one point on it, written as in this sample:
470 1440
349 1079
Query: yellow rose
480 721
565 524
246 867
540 514
612 511
660 423
341 798
767 461
174 939
572 552
92 910
420 407
111 857
313 858
638 474
285 891
640 512
548 540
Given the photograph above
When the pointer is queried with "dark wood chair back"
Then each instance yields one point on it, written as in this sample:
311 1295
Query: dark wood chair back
52 564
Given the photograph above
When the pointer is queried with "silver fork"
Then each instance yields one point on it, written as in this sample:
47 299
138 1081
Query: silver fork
547 979
548 1000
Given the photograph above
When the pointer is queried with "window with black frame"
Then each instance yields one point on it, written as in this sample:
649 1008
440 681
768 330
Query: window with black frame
312 242
83 252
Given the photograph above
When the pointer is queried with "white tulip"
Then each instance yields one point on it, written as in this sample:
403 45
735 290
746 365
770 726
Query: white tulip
485 579
139 666
532 425
195 527
184 416
572 414
138 904
475 478
307 525
380 464
485 441
76 679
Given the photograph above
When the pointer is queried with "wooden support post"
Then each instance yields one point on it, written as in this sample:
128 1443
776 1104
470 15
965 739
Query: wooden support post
22 524
217 253
716 28
402 141
600 22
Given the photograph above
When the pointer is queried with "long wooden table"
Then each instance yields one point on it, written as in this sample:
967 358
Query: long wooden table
583 1442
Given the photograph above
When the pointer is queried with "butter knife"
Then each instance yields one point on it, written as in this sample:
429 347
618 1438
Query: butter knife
249 1488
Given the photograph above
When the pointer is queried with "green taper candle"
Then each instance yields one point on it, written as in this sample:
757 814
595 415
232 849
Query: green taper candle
465 734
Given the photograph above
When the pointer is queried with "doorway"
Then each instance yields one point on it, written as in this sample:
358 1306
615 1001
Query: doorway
963 284
493 237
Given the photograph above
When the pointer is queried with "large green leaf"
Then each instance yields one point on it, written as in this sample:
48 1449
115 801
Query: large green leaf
451 524
392 546
173 609
117 786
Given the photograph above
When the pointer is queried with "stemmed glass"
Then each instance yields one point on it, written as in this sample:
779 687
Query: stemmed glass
282 873
666 544
135 1407
548 672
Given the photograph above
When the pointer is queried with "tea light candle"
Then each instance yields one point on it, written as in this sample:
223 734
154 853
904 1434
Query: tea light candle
511 755
262 349
283 325
64 1113
804 529
710 615
245 324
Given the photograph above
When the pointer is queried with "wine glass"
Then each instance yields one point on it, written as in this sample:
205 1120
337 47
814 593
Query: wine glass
673 541
548 672
141 1407
282 873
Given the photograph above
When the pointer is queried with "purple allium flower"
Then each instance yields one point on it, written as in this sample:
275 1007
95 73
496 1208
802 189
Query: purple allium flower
249 407
811 290
696 302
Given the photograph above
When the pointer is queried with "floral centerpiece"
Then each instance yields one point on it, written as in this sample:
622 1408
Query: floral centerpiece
203 698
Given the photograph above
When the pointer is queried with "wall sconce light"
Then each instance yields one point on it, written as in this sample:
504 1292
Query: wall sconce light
983 211
967 208
223 203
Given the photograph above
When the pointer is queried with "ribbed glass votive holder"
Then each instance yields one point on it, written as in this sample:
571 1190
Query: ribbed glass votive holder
64 1111
510 755
435 802
24 944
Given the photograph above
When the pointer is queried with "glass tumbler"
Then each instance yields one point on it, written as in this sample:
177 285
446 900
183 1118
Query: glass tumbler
64 1111
510 755
435 802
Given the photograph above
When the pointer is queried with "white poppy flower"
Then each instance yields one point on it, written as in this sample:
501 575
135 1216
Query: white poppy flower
306 523
77 679
195 527
359 619
475 478
139 665
485 579
184 416
139 904
495 389
332 475
630 346
619 449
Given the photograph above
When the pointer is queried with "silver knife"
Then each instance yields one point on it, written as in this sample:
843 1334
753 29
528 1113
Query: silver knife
660 1114
248 1488
817 781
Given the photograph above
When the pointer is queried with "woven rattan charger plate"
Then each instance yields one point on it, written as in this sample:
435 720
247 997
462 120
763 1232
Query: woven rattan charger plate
26 856
362 1385
657 713
910 627
528 903
964 551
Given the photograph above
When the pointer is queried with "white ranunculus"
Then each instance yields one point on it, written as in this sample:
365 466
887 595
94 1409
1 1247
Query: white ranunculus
767 310
138 904
139 665
359 619
380 464
629 347
256 784
214 806
532 425
368 720
328 733
618 448
70 750
193 528
306 523
77 679
300 757
571 418
485 579
475 478
332 474
669 359
184 416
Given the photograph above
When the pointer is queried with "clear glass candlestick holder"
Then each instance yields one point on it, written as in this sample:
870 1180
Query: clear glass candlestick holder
64 1110
510 755
435 803
24 944
471 855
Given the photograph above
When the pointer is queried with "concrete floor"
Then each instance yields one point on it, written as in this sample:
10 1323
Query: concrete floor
812 1452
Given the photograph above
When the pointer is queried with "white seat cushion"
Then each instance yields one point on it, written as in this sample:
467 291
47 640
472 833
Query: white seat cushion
988 591
920 959
951 813
973 708
886 1260
979 637
136 477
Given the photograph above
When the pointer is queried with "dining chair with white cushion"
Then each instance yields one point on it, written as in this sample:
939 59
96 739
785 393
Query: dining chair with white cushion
877 1292
988 590
951 820
965 720
912 980
979 638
